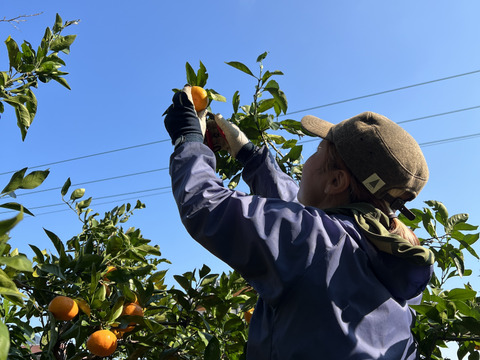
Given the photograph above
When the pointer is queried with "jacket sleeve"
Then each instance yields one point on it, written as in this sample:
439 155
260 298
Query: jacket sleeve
271 242
266 179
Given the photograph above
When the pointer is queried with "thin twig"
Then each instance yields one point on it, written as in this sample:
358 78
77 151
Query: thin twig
18 19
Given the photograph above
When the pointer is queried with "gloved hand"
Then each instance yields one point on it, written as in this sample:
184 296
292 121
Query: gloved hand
183 120
236 139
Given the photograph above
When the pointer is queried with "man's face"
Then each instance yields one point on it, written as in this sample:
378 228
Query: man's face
315 178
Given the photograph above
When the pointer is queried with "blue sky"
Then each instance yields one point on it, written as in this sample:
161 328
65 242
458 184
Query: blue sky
129 55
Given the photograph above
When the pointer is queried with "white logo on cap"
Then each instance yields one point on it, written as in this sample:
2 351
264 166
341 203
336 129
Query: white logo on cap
373 183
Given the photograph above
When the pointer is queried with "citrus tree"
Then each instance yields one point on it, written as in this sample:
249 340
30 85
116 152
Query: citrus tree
447 313
102 293
26 69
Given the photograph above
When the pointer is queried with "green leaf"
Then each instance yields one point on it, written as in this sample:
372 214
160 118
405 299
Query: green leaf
116 310
57 27
183 281
276 138
266 104
16 207
241 67
19 262
272 84
31 104
4 341
34 179
234 181
65 187
62 81
13 51
23 118
440 210
261 57
294 154
9 224
114 245
454 220
459 264
428 224
38 253
9 289
281 100
151 250
28 52
191 76
15 181
202 75
56 242
216 96
461 294
204 271
77 194
84 204
236 101
212 351
62 43
209 279
3 78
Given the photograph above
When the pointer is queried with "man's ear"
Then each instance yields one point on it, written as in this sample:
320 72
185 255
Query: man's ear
338 182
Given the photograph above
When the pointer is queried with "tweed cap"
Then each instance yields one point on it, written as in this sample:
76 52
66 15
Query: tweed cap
378 152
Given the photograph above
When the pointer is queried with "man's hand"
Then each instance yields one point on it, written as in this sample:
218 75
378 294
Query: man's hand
236 139
183 120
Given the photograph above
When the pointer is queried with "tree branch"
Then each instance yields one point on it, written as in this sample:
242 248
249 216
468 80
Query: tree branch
18 19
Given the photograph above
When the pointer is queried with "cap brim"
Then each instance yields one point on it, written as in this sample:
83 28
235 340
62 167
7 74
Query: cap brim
316 126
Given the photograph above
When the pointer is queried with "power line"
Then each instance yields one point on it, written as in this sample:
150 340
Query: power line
90 155
431 143
440 114
452 139
290 113
425 144
103 203
165 140
382 92
96 181
94 198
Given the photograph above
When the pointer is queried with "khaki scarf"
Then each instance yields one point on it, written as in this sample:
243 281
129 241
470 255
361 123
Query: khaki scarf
374 224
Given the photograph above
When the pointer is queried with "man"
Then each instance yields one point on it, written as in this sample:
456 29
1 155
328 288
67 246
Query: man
334 268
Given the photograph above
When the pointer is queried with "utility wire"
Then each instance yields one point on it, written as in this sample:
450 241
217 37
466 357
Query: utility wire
440 114
94 198
425 144
161 141
290 113
381 92
90 155
103 203
452 139
96 181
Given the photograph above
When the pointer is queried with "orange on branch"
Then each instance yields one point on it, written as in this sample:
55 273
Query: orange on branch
248 315
200 98
131 309
109 270
102 343
63 308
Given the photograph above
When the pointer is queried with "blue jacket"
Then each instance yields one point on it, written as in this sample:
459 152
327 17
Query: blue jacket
325 292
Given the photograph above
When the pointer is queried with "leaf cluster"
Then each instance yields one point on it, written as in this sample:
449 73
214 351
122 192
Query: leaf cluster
28 67
447 314
259 120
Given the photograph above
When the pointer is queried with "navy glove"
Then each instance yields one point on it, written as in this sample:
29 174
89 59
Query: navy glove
182 121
